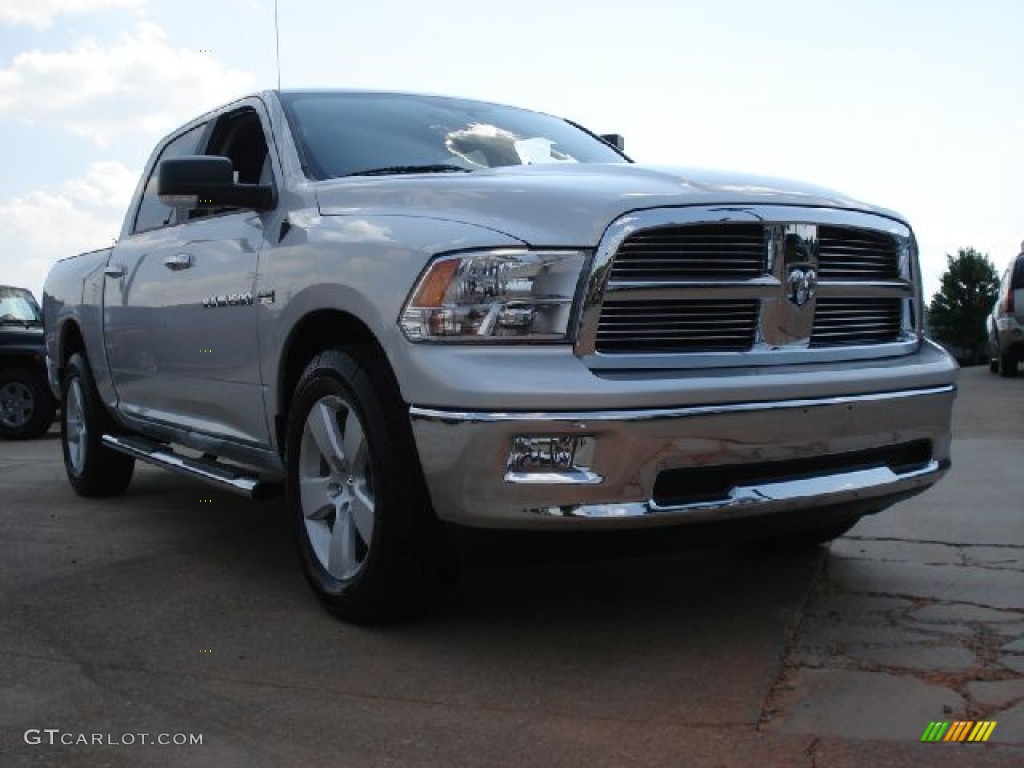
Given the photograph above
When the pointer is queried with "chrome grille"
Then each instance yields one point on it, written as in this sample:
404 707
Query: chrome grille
677 287
699 251
677 326
846 253
856 321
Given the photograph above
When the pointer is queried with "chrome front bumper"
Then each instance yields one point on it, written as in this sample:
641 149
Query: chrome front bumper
465 459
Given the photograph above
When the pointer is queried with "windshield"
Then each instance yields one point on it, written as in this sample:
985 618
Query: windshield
18 305
343 134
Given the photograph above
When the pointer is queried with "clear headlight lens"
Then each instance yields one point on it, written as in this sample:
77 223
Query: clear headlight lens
500 295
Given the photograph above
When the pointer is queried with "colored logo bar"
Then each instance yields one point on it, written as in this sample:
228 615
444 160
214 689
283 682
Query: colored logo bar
960 730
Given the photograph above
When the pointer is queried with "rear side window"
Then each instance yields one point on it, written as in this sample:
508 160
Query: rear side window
152 213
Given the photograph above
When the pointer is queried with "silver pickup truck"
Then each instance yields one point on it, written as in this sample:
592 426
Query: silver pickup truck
414 314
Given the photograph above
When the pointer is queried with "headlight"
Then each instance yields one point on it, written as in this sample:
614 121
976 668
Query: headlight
501 295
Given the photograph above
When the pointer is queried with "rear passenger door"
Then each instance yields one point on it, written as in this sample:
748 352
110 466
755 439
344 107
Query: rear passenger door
193 280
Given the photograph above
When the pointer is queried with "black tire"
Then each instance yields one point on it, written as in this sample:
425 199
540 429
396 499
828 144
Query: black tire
395 560
1008 364
27 406
92 468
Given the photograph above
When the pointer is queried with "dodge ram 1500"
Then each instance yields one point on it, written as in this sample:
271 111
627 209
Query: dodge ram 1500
413 313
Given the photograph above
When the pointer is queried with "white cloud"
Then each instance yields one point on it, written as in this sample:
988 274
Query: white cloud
139 84
44 225
40 13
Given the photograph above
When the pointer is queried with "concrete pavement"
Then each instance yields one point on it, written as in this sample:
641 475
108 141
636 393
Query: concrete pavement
918 615
177 609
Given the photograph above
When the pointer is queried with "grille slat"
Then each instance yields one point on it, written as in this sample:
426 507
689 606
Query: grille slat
856 321
678 326
846 330
845 253
677 253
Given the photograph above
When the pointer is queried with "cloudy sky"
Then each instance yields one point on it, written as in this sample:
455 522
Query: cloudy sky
915 105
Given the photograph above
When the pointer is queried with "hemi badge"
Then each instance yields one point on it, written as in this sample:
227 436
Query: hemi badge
265 297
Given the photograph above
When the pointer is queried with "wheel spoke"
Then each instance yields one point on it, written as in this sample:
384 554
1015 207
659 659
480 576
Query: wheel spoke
354 440
362 513
315 495
77 430
323 425
341 559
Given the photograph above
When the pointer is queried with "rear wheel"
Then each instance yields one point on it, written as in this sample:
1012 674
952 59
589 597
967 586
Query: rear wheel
367 536
92 468
26 406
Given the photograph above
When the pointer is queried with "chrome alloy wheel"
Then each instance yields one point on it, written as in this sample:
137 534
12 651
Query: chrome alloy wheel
77 432
336 488
16 404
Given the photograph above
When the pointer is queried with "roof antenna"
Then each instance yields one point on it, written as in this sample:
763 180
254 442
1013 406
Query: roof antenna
277 46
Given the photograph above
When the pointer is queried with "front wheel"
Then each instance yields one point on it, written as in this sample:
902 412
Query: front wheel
92 468
367 536
26 406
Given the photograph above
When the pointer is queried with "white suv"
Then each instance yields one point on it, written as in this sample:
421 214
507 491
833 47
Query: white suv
1006 323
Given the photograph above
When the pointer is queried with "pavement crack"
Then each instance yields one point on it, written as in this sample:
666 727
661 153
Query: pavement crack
816 582
936 542
811 751
926 600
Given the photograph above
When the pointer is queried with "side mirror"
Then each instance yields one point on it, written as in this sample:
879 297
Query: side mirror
208 181
616 140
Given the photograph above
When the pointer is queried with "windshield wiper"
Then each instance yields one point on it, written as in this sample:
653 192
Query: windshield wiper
399 169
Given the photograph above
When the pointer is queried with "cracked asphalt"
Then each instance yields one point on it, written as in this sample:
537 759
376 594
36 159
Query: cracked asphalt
176 609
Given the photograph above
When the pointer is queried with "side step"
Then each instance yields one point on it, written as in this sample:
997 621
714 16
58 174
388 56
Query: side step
229 478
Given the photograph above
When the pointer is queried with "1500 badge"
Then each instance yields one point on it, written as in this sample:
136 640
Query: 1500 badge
228 300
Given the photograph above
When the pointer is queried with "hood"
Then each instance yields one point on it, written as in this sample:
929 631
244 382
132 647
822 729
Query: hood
20 337
563 204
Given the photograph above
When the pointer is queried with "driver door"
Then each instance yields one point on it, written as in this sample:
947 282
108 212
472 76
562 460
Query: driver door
181 323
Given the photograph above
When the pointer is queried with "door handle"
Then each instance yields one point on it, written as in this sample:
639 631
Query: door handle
113 270
178 261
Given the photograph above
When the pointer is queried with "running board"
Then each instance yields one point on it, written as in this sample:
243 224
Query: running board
230 478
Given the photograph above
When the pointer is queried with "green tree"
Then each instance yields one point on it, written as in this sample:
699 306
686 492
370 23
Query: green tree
957 313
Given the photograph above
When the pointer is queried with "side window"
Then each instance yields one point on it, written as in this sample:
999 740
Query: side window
152 213
239 137
1018 275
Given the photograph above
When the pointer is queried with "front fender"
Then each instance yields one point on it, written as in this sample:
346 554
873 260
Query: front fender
364 266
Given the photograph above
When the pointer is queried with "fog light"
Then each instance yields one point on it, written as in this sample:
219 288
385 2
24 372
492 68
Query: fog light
551 459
